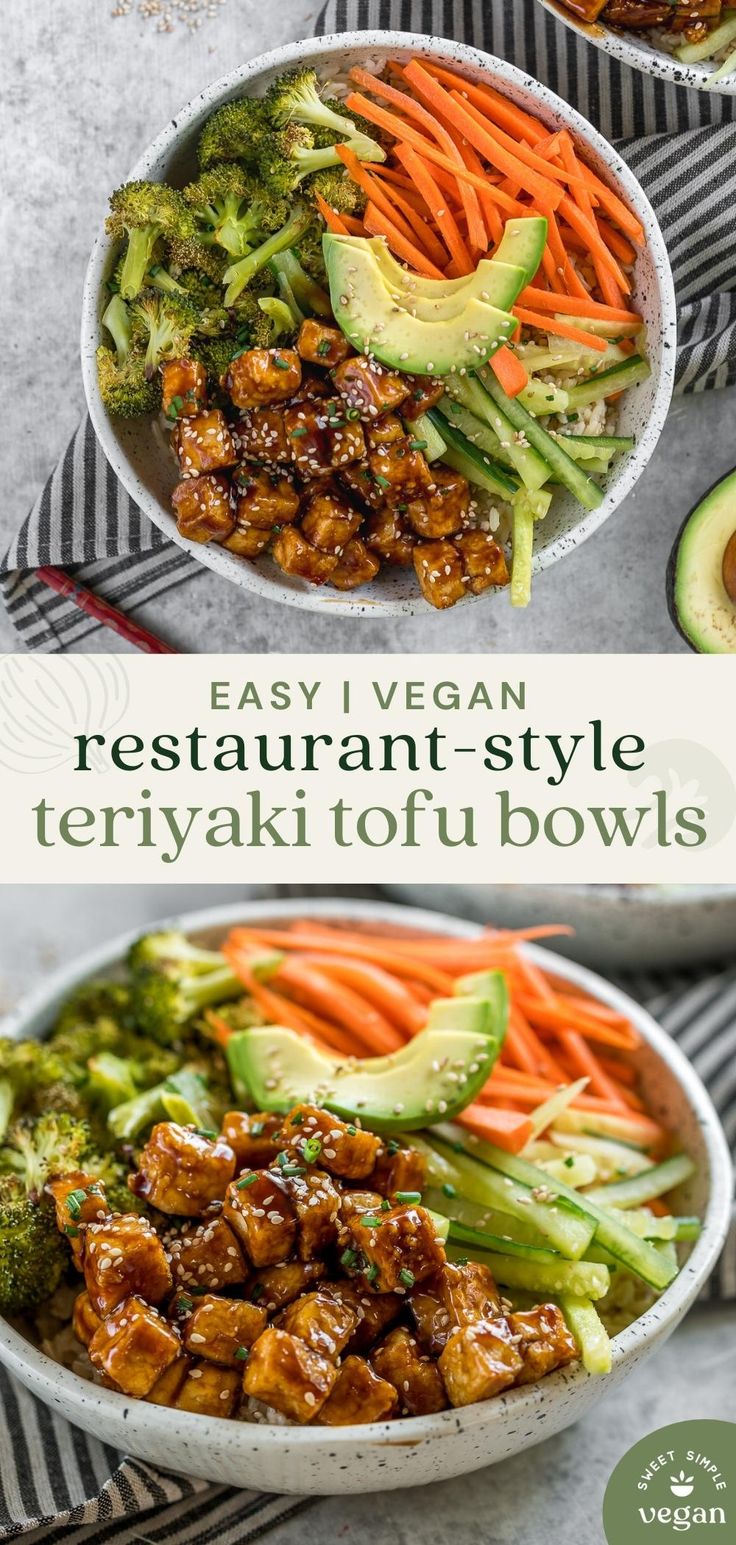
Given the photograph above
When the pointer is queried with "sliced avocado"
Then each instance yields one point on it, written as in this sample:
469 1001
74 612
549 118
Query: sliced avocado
701 577
523 242
436 1074
369 315
493 281
466 1013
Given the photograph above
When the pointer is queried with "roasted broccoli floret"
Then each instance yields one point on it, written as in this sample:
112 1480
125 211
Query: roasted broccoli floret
226 209
39 1147
338 190
297 288
125 388
101 998
183 256
34 1076
174 980
33 1255
190 1097
167 322
234 132
144 212
295 98
240 274
291 154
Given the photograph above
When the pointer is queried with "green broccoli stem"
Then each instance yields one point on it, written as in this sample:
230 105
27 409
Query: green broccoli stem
7 1101
284 316
116 318
297 288
141 242
126 1121
239 274
160 279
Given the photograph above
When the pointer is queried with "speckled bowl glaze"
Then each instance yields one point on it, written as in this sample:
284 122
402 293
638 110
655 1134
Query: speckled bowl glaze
148 474
412 1452
617 927
632 48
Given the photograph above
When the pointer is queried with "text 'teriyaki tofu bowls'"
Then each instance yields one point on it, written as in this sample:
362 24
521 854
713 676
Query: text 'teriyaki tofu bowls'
415 1450
135 448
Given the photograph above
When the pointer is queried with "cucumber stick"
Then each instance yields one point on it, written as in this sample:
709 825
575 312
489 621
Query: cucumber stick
469 390
561 465
585 1324
478 434
637 1255
488 1220
618 379
614 1161
465 458
565 1229
500 1244
522 550
586 1279
638 1189
541 399
422 428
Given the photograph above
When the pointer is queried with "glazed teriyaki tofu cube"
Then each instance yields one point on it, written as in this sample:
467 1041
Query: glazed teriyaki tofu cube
452 1297
439 569
209 1390
479 1361
358 1396
78 1199
264 499
484 562
204 508
259 377
133 1347
316 1202
254 1136
85 1319
123 1255
545 1344
416 1379
370 387
443 509
261 435
184 388
182 1172
206 1254
222 1330
320 344
286 1374
342 1148
295 555
204 443
276 1286
328 521
325 1323
399 1169
356 567
400 1247
262 1216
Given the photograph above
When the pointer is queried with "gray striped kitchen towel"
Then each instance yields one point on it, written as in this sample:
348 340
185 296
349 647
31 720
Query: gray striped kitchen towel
62 1484
682 146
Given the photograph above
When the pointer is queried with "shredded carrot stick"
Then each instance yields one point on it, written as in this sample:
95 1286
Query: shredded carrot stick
567 1018
509 1130
492 103
343 942
563 272
586 1062
509 370
280 1010
333 999
584 200
414 109
620 245
493 221
437 205
452 109
521 151
379 987
613 205
572 305
378 224
411 226
353 226
561 329
357 103
332 219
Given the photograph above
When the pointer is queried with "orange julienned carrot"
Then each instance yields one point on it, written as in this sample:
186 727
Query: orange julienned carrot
554 1018
564 271
490 101
450 106
494 223
596 245
437 205
414 109
509 371
549 324
378 224
356 103
346 943
620 245
410 225
584 199
281 1011
585 1062
383 990
509 1130
613 205
521 151
572 305
332 219
324 995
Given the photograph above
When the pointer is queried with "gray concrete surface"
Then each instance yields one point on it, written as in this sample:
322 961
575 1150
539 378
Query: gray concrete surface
84 90
554 1491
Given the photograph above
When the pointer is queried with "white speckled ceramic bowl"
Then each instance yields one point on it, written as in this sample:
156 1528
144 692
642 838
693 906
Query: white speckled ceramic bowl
148 474
633 48
418 1450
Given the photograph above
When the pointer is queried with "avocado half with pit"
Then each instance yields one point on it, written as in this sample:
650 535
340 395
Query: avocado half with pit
432 1078
429 326
701 575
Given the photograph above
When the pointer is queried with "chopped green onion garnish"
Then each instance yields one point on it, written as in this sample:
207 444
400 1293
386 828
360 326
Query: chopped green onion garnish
408 1196
393 1147
348 1259
281 364
382 482
312 1149
323 347
385 1205
295 433
369 1220
353 413
407 1277
71 1231
352 1131
74 1202
206 1132
371 1274
247 1180
296 1120
417 445
448 1189
241 1353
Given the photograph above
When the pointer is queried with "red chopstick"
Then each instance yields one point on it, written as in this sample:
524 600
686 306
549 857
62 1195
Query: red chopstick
102 611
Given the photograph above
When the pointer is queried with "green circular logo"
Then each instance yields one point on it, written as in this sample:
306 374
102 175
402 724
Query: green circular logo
679 1480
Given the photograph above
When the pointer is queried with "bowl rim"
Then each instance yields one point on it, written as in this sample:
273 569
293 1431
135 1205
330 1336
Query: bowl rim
20 1355
624 46
312 598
